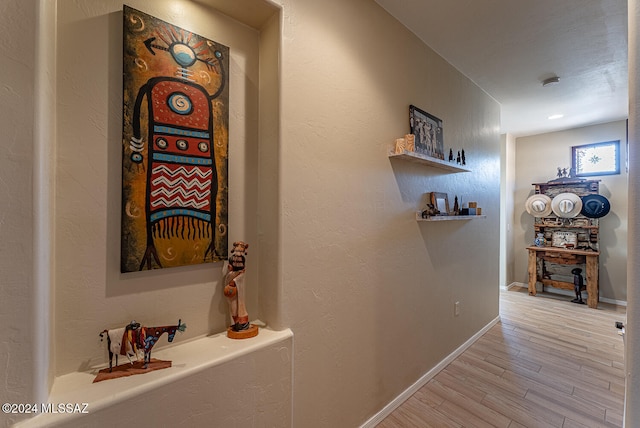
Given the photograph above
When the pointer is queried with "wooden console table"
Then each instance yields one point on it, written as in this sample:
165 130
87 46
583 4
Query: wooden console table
537 257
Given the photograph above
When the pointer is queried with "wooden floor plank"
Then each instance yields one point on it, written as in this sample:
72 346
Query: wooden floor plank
547 363
614 418
566 403
605 397
468 416
529 379
575 378
574 411
512 364
524 412
414 414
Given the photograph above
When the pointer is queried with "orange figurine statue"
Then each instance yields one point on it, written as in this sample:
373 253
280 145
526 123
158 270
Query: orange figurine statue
234 291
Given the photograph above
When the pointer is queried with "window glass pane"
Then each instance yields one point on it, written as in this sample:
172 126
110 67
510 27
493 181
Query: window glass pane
597 159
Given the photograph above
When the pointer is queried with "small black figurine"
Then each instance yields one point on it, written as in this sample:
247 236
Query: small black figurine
450 155
456 207
458 158
578 285
559 172
464 160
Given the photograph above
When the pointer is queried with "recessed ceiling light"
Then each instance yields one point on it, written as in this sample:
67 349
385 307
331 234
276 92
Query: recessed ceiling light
555 116
551 81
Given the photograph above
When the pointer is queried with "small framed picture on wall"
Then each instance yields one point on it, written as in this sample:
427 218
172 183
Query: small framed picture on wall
428 132
441 202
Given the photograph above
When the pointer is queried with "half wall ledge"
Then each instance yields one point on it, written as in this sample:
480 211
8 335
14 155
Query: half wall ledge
202 358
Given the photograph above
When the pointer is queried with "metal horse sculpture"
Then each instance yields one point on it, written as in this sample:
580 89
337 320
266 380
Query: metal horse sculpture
138 339
118 344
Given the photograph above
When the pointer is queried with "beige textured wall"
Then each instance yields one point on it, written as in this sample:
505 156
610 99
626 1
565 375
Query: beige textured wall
369 292
510 207
507 185
90 291
537 160
269 202
17 216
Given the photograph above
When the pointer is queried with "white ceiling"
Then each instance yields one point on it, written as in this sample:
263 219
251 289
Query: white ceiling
508 47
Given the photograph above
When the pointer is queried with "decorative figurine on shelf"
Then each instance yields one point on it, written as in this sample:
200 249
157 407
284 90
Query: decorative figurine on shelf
464 159
566 175
119 342
458 160
234 290
450 155
136 341
456 206
429 211
578 285
410 142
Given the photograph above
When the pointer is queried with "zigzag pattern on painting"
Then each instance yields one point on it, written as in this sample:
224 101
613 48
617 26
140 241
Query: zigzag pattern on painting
182 171
181 181
180 187
184 227
179 198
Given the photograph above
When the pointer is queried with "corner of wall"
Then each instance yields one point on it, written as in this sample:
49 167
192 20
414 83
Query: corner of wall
44 177
269 202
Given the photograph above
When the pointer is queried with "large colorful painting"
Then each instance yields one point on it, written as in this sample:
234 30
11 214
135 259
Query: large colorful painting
175 145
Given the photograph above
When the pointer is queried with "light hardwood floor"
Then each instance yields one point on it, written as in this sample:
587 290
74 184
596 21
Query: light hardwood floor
547 363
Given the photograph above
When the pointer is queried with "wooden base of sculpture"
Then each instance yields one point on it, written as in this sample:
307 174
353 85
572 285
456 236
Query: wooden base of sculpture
128 369
243 334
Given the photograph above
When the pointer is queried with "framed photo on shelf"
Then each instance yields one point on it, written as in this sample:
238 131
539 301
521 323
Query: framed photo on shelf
428 132
441 202
564 239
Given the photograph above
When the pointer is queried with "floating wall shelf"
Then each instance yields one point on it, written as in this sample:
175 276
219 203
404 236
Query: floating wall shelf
448 217
428 160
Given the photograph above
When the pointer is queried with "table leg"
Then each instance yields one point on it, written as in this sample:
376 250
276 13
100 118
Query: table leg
533 272
593 288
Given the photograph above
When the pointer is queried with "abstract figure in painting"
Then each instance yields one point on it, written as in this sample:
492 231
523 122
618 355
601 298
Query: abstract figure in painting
175 142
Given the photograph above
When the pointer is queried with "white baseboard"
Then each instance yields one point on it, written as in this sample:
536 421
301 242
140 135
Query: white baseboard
517 284
614 302
404 396
568 293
